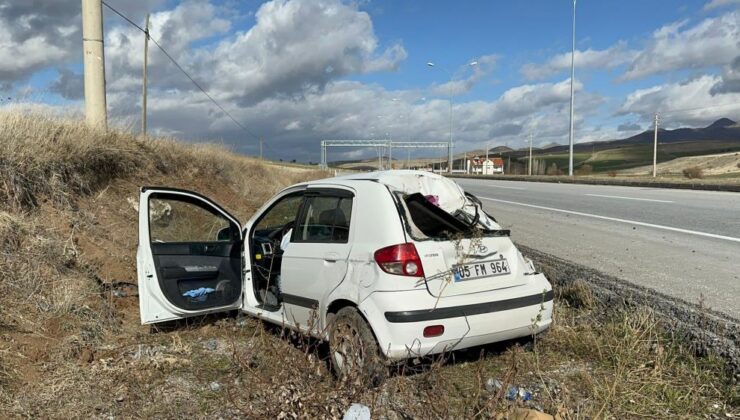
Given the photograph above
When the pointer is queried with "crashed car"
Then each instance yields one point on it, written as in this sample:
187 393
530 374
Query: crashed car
386 266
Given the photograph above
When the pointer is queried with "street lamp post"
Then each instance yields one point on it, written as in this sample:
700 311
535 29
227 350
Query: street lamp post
572 95
449 144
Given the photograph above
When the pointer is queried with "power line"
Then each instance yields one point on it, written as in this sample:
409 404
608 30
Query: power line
248 131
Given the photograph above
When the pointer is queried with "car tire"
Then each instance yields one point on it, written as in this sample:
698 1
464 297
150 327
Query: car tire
353 349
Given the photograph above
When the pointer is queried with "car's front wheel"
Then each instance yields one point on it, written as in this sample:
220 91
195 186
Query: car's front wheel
354 351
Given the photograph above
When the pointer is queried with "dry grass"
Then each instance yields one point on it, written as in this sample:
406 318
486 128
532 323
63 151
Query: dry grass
71 348
585 169
577 294
693 172
45 158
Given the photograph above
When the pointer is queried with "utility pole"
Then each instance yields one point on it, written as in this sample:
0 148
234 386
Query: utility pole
146 63
449 145
572 93
529 163
390 153
94 63
655 147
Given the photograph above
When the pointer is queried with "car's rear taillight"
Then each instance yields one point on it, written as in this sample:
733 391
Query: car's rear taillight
401 259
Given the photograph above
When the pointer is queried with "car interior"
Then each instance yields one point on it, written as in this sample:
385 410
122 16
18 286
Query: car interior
266 250
196 252
312 218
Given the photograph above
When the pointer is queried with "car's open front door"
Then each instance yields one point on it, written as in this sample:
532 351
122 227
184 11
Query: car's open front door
189 256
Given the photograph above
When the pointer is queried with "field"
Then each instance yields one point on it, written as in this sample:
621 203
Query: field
71 345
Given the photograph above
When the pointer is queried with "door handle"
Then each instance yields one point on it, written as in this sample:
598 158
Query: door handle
331 257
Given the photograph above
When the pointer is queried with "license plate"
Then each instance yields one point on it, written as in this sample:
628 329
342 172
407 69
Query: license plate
482 269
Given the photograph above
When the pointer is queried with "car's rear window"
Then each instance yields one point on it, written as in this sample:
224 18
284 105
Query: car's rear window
428 221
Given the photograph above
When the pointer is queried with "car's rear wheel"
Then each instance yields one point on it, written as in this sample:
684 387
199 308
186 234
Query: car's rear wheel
354 351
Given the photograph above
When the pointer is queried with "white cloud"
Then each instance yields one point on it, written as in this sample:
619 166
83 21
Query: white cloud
680 104
730 79
176 30
35 35
716 4
711 42
296 46
19 59
611 57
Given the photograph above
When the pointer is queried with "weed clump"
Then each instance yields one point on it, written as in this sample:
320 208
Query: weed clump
693 172
585 170
577 294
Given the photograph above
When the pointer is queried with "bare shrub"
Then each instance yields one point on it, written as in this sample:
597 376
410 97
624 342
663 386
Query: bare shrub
577 294
585 170
693 172
612 174
553 169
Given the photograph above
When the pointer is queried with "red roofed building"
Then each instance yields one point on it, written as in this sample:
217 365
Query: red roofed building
486 167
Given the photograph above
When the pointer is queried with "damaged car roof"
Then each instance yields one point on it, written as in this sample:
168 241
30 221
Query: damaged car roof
441 191
450 196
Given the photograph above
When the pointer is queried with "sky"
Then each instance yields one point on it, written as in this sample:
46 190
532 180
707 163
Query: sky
294 72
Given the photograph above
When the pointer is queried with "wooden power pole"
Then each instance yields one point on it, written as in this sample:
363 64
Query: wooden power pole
144 87
94 63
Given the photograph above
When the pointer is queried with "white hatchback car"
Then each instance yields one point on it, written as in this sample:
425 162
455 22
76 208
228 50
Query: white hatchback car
386 266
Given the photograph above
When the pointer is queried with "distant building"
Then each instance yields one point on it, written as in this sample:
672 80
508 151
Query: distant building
484 166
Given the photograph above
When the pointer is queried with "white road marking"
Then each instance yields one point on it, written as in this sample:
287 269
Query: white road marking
614 219
629 198
508 188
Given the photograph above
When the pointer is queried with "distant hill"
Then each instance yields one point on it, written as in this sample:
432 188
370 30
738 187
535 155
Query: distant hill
721 136
724 129
549 145
501 149
722 123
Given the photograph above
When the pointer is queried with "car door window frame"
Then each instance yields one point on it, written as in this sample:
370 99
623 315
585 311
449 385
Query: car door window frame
303 213
178 192
203 204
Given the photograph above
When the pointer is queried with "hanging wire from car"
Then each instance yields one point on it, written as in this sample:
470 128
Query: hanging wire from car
161 48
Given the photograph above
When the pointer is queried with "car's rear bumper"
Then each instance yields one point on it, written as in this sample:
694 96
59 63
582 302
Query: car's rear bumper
398 319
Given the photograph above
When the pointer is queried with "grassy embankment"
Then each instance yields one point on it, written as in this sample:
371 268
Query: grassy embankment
71 347
623 158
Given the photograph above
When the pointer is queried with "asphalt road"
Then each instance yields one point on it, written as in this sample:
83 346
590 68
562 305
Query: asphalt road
683 243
